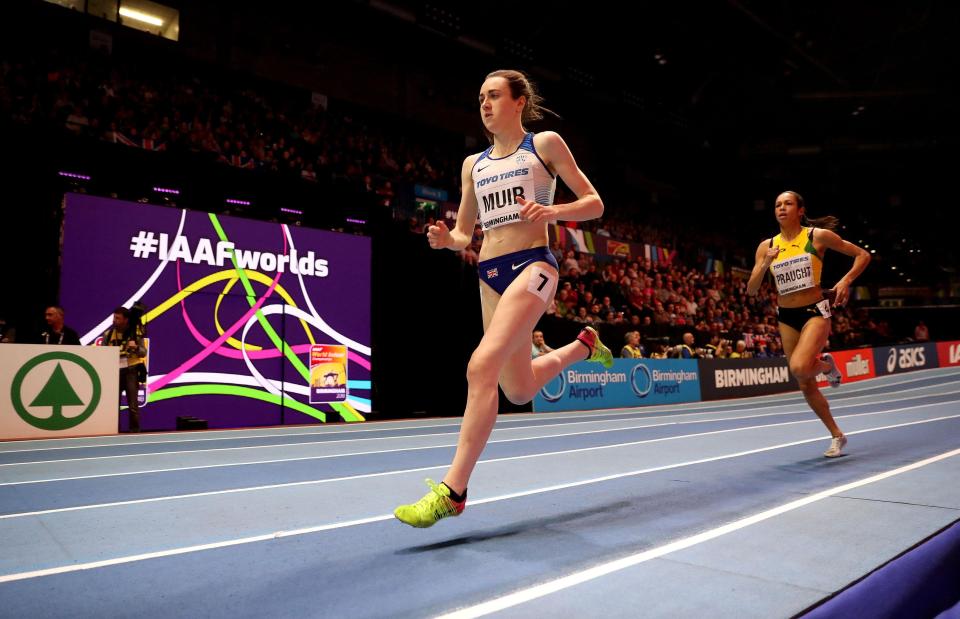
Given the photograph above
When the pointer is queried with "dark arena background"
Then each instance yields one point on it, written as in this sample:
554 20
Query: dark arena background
255 182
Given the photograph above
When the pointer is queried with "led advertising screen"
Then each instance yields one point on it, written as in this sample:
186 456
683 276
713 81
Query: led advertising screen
232 309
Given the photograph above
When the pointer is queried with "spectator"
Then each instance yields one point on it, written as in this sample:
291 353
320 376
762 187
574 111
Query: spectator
686 349
921 333
539 347
583 317
57 332
632 349
741 351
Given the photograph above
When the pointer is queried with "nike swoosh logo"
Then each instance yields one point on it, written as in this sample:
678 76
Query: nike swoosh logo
483 168
517 266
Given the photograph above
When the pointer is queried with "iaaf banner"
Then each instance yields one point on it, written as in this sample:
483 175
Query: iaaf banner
233 308
737 378
948 353
854 365
629 383
905 358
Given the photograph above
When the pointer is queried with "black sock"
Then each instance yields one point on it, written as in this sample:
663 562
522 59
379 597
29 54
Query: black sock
459 498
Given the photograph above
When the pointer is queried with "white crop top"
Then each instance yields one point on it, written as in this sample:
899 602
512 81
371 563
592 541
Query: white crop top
498 183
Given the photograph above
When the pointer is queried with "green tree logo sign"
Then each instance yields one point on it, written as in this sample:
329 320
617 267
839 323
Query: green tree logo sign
56 393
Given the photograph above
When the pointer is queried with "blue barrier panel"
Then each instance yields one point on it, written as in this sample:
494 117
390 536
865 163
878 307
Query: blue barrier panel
905 358
629 383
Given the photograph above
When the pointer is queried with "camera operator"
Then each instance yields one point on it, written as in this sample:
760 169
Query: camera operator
127 333
713 348
659 347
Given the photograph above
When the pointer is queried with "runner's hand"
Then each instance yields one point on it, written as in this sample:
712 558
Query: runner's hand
532 211
439 236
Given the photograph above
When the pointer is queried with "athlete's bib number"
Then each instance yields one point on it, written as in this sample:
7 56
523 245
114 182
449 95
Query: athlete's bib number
542 283
824 307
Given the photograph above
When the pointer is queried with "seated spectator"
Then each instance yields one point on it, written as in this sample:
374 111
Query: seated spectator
632 349
583 317
687 350
741 351
538 346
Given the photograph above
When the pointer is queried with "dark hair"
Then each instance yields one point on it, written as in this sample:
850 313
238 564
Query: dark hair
828 222
123 312
521 86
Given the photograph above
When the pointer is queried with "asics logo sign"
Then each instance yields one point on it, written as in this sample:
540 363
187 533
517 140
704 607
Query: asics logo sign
906 358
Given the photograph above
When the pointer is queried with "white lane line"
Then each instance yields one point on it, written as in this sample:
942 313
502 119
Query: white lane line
76 567
421 448
446 445
313 482
497 432
687 408
407 436
528 594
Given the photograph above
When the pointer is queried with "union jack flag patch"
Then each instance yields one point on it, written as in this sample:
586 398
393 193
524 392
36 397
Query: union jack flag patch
491 273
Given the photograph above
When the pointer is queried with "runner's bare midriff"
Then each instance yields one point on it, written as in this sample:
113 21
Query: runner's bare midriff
512 238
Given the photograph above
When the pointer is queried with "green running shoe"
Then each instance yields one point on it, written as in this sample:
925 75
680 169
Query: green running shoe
434 506
598 352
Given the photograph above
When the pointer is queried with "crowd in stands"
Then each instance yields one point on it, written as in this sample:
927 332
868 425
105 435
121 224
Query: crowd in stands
664 300
178 110
287 133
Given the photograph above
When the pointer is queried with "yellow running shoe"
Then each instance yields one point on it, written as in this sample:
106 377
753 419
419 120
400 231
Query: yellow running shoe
598 352
434 506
